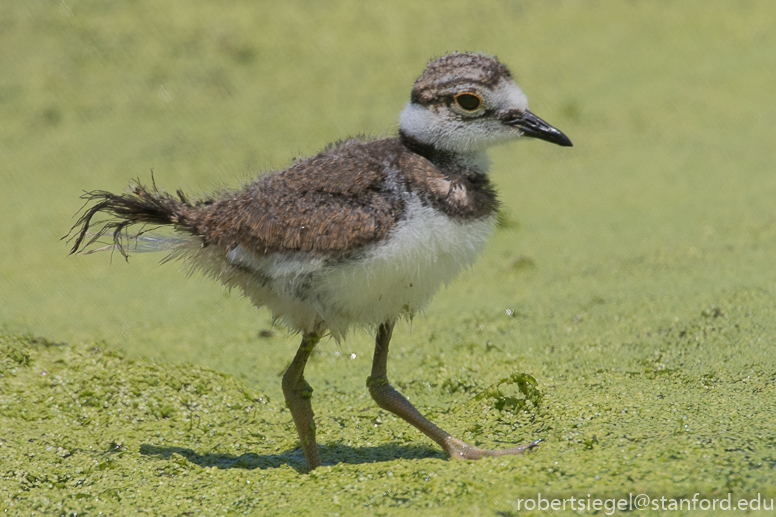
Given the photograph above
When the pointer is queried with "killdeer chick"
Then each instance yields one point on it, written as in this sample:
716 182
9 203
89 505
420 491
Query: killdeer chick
357 236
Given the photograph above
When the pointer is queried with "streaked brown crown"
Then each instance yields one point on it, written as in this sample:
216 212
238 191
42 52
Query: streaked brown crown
454 68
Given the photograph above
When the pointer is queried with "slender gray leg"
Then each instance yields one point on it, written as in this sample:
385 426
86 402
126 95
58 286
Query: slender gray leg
298 393
391 400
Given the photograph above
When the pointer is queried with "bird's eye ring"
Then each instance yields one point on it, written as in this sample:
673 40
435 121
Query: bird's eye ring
468 101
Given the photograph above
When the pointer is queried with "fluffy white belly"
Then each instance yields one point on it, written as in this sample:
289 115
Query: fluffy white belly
400 275
395 277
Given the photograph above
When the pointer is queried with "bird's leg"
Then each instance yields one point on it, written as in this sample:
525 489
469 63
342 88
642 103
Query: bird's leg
391 400
298 393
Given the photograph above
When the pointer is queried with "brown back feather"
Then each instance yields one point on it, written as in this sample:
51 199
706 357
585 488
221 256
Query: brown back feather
335 201
347 196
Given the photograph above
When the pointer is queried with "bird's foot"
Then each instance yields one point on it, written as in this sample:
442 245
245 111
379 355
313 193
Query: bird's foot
460 450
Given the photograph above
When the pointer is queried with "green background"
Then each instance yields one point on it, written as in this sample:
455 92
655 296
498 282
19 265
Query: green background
632 276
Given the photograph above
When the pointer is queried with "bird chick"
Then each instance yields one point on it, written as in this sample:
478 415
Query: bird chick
360 235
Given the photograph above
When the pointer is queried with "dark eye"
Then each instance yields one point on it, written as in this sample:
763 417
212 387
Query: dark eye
468 101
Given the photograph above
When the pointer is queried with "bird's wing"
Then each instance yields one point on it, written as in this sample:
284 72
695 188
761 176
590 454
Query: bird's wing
334 202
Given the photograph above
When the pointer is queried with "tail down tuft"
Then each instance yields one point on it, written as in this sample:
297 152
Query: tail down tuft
142 205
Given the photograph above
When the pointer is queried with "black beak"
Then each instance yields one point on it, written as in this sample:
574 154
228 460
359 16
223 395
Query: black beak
533 126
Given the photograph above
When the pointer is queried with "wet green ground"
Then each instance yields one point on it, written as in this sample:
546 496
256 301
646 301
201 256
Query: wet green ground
635 278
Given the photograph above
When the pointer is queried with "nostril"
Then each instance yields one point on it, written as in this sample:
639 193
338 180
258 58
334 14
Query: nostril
513 117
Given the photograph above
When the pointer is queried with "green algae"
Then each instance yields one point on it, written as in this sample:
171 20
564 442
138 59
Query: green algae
87 431
630 277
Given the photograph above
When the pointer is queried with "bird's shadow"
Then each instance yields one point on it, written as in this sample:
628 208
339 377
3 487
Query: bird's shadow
294 458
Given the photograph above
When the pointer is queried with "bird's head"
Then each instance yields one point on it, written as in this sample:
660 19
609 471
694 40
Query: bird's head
466 102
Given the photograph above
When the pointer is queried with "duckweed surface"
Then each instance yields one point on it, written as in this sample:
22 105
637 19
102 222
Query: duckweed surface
89 431
623 312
